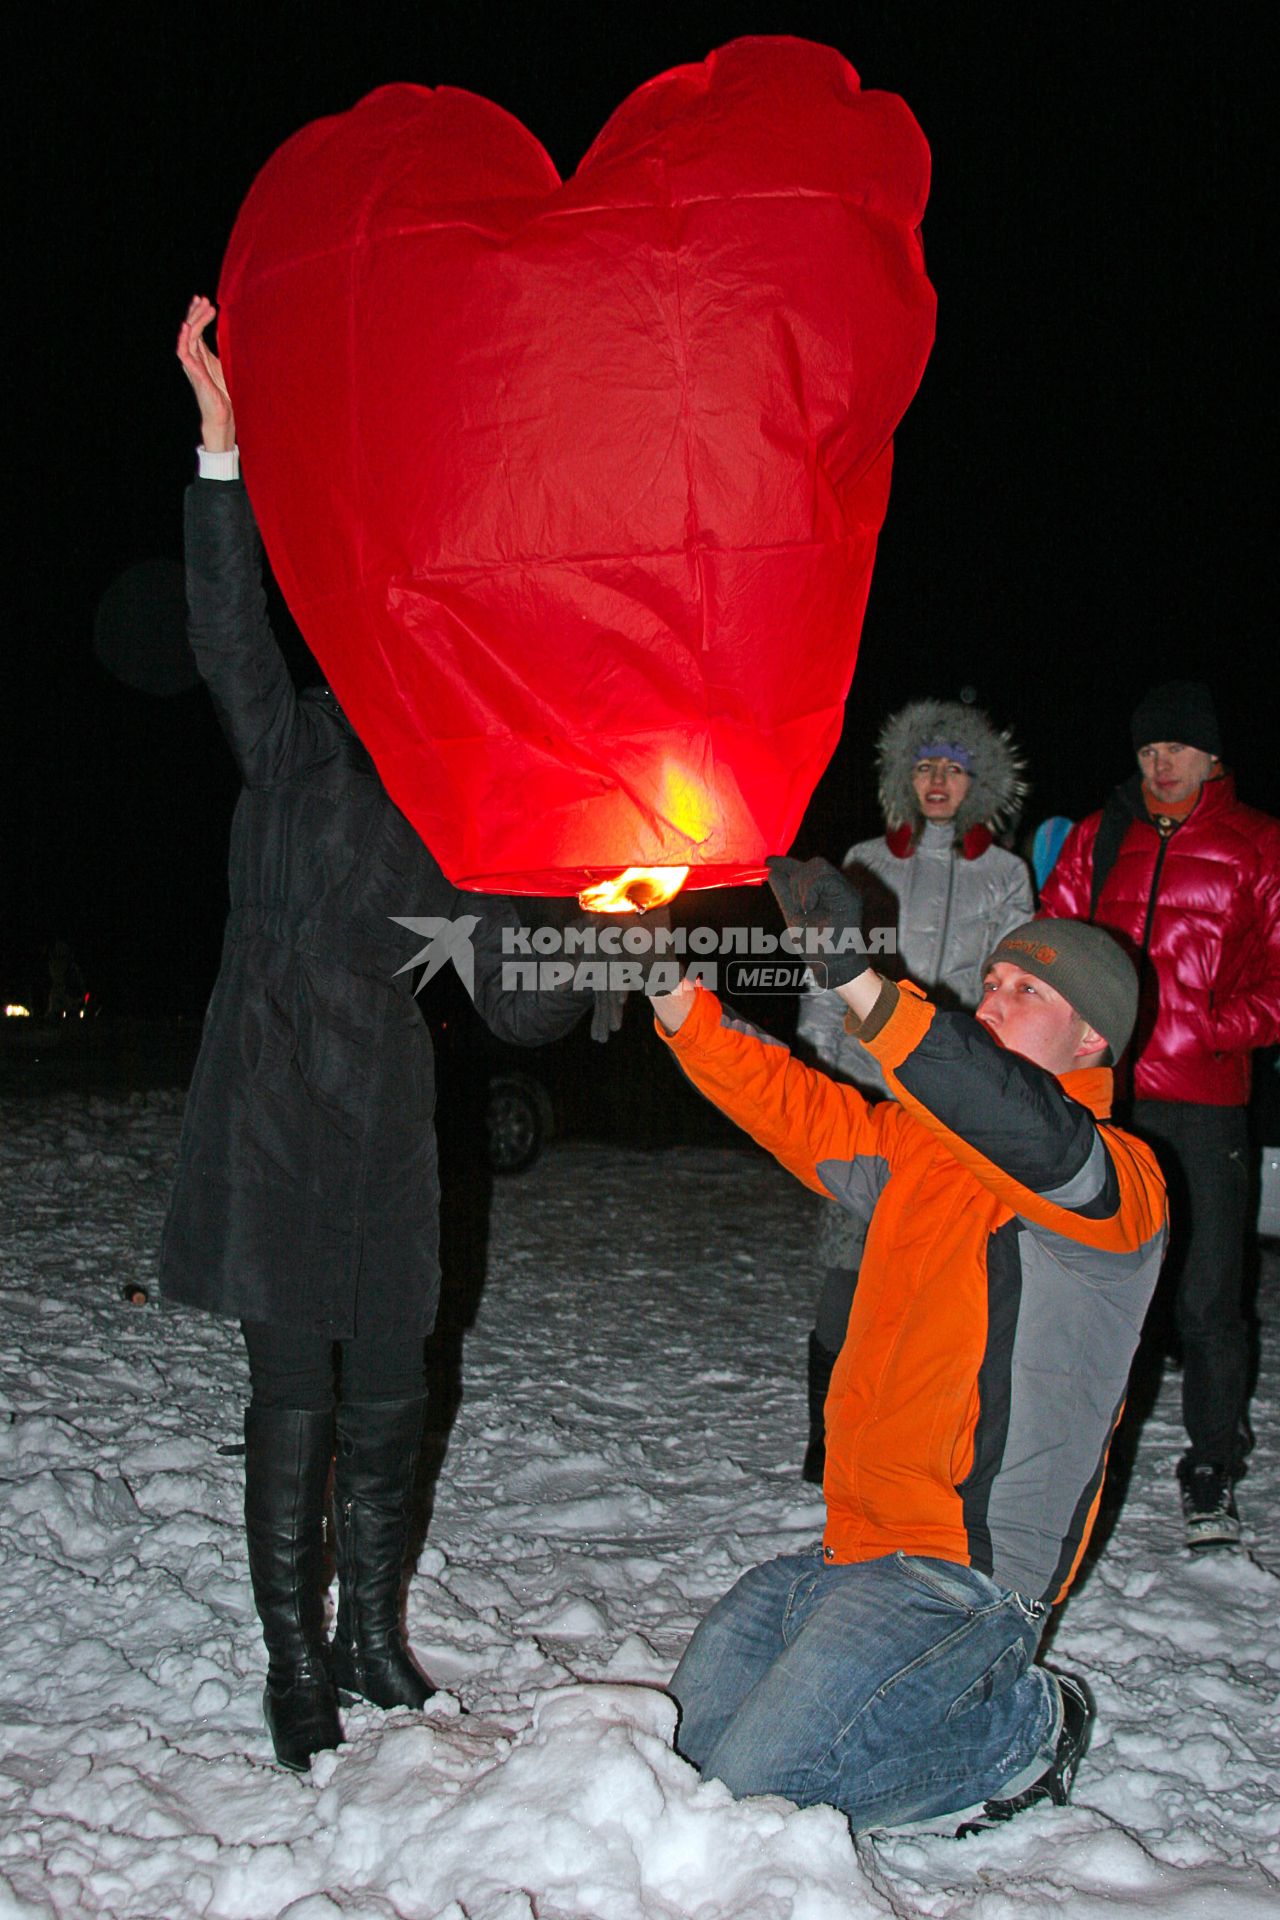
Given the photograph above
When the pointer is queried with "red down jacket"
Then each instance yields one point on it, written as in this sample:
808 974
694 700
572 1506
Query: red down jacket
1199 908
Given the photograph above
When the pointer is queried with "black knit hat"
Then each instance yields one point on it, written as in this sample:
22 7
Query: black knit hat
1180 710
1091 971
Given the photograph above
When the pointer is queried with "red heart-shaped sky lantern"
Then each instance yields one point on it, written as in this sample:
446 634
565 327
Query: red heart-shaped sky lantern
574 487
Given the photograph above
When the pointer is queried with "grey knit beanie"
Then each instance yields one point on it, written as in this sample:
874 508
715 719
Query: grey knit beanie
1083 963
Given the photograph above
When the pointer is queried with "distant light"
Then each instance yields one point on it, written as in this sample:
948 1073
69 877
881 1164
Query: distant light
15 1012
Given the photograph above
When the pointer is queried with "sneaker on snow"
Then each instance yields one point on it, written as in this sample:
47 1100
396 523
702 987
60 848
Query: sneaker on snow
1208 1508
1055 1783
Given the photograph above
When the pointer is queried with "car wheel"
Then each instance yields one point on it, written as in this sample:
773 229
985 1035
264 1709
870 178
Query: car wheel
518 1121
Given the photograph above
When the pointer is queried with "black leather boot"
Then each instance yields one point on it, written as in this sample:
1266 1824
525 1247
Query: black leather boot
821 1362
286 1461
378 1444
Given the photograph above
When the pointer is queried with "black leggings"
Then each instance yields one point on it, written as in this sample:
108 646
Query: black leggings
291 1368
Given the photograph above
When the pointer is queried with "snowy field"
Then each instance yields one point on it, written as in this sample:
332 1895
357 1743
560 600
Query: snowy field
627 1440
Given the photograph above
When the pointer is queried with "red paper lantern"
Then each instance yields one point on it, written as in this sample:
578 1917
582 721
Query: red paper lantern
574 488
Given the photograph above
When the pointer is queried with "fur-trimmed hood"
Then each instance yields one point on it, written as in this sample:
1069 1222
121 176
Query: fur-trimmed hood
997 786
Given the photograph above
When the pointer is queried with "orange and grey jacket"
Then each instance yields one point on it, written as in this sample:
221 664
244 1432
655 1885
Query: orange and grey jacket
1015 1240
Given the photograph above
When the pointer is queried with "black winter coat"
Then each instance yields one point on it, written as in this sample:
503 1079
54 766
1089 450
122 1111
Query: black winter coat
306 1186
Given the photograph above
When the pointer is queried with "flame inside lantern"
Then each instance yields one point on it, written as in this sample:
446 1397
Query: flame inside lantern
634 891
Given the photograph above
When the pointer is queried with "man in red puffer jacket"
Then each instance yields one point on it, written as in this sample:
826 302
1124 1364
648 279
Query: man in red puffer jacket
1190 878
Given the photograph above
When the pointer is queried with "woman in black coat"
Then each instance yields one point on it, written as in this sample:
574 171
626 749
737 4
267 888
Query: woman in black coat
306 1197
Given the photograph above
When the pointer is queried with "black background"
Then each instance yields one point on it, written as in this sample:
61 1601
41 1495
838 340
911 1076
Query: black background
1081 498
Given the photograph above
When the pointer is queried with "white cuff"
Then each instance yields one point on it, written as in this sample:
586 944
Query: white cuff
218 466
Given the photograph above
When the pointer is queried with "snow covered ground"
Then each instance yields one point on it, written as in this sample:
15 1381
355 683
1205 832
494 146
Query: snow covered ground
628 1439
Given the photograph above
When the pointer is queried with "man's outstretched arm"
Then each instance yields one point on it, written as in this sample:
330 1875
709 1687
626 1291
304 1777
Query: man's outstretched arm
1007 1120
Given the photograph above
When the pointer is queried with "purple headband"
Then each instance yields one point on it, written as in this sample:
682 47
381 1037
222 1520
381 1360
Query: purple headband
946 750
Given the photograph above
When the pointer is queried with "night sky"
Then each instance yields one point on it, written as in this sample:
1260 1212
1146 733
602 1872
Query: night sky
1082 487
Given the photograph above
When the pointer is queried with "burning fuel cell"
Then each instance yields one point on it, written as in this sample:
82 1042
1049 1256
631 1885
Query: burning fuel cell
638 890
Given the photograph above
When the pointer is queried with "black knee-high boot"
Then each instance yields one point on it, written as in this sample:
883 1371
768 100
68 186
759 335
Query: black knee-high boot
378 1444
286 1454
821 1362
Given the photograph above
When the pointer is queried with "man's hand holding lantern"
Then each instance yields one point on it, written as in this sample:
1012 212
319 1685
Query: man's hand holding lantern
816 898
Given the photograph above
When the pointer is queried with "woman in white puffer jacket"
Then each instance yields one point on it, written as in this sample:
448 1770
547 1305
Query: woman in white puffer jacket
949 781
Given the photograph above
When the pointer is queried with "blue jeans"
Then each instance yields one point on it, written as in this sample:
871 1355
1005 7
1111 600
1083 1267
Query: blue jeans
895 1689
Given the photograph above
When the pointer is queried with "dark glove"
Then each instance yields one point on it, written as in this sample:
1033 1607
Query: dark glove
815 899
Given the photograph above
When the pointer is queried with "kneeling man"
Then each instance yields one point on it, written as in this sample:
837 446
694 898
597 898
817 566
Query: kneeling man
1014 1243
